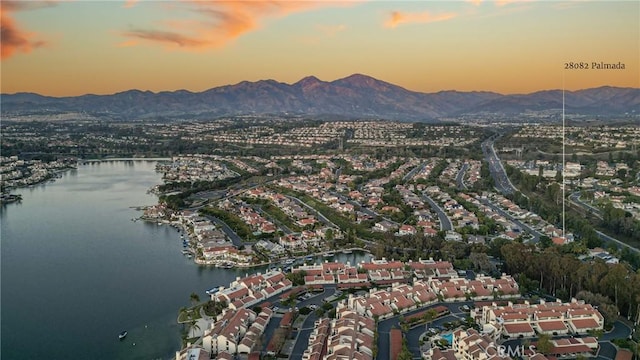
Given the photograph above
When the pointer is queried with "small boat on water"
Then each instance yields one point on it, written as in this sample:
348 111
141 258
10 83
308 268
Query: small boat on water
347 251
308 258
328 254
122 335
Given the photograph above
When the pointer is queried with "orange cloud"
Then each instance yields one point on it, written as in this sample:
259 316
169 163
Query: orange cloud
220 22
13 39
399 18
129 3
507 2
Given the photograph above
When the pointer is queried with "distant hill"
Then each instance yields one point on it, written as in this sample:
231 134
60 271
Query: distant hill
357 95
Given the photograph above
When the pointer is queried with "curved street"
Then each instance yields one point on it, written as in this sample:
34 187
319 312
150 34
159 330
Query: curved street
445 222
413 336
460 177
575 198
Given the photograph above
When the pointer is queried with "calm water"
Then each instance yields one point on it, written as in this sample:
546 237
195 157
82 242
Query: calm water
76 270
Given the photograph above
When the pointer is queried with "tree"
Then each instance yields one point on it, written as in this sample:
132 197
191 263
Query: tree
297 278
545 242
193 328
328 235
544 344
405 353
482 262
194 298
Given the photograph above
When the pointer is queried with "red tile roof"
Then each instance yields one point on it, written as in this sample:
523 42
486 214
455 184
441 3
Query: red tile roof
557 325
521 328
584 323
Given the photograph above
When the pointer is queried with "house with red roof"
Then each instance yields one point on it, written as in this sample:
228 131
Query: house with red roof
553 318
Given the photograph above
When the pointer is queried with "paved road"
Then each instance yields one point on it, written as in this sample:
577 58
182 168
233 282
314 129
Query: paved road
501 180
276 222
536 234
620 331
604 237
314 212
235 239
413 172
356 204
271 328
302 338
385 326
460 177
445 222
575 198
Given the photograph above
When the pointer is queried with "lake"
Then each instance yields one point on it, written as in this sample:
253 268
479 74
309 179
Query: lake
76 270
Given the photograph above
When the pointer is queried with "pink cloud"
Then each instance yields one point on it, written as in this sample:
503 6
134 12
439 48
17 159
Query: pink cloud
400 18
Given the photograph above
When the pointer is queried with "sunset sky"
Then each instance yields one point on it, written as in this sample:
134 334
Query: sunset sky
64 48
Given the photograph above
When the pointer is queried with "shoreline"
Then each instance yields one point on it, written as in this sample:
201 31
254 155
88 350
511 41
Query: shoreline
84 161
50 177
215 263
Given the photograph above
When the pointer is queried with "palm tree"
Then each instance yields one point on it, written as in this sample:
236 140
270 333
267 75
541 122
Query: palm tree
194 327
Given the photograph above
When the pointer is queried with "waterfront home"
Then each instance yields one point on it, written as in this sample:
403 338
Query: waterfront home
192 353
236 332
245 292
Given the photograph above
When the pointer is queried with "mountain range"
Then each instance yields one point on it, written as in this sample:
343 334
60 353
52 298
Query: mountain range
355 96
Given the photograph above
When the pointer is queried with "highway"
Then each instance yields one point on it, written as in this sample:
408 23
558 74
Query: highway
500 178
445 222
